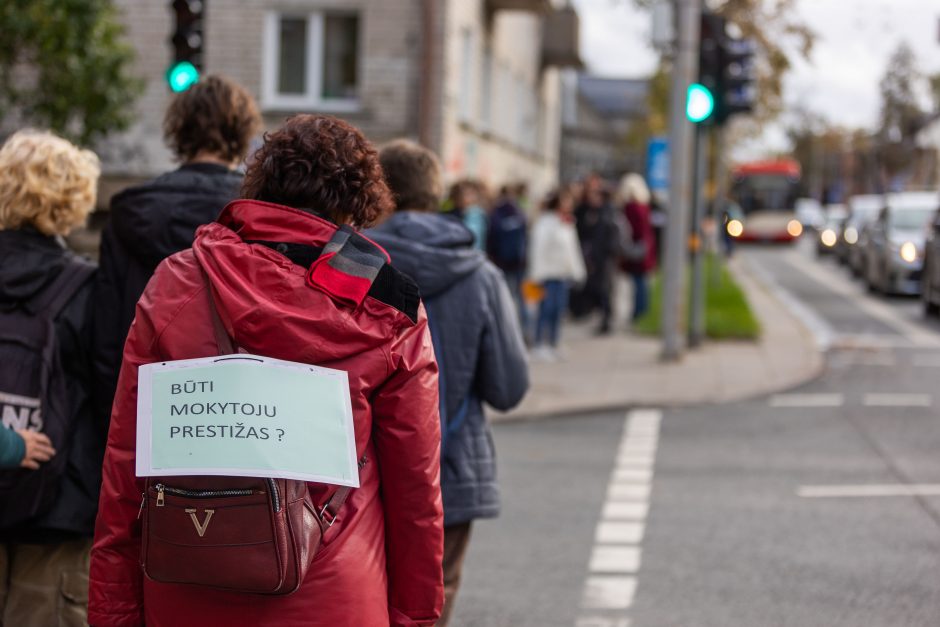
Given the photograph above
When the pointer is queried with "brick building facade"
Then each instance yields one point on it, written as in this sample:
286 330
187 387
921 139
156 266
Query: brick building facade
475 80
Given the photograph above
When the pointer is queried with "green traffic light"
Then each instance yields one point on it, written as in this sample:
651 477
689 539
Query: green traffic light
182 75
700 103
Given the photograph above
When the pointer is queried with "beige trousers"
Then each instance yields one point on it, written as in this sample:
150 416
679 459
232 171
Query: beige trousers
44 585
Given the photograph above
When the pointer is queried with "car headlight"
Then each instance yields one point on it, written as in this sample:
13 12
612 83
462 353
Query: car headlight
735 228
908 252
828 238
794 228
850 235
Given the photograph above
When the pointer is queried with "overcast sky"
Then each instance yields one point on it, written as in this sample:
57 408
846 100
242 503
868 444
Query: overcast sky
855 38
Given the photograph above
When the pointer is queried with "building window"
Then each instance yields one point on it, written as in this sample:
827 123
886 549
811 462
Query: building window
311 61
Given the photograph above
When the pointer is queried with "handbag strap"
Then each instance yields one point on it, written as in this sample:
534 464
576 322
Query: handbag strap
222 339
327 513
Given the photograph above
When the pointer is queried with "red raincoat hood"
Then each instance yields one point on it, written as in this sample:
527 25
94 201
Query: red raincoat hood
256 312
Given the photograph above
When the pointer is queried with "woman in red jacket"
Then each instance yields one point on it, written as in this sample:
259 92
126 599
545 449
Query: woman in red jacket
307 189
642 252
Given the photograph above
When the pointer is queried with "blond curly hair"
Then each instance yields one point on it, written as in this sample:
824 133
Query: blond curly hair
46 182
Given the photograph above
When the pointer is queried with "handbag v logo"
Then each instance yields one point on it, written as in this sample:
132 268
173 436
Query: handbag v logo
201 529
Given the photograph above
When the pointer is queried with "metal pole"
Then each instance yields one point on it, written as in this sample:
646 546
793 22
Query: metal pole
721 199
697 311
684 72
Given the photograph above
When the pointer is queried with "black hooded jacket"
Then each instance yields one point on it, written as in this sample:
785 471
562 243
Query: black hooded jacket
149 223
29 261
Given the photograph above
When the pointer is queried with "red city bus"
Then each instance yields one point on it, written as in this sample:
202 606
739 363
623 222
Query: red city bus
766 192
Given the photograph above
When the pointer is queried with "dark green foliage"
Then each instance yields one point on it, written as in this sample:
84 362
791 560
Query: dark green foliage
64 65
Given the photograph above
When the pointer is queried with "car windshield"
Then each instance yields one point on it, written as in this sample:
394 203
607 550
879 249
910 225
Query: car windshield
910 219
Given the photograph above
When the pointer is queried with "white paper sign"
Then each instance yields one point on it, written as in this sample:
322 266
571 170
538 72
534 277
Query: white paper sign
245 415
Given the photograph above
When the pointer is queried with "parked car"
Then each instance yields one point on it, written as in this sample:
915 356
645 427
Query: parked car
810 213
893 253
862 210
827 235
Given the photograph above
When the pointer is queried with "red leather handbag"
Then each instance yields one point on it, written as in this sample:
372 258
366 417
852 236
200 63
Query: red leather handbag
240 534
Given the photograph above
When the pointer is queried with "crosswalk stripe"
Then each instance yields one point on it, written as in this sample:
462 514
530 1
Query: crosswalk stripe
609 592
619 532
897 400
615 559
807 400
615 510
846 491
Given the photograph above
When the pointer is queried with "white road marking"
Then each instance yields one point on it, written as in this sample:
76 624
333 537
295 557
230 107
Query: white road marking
639 446
615 559
632 474
897 400
619 532
609 592
602 621
807 400
856 491
615 510
628 492
823 332
875 308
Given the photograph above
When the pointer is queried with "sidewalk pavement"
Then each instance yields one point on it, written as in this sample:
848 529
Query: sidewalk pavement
624 370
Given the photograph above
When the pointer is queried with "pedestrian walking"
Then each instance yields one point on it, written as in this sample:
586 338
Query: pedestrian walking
555 262
477 339
464 204
51 430
600 235
640 259
208 128
291 278
506 246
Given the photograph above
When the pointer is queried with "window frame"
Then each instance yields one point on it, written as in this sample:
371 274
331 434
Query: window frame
271 99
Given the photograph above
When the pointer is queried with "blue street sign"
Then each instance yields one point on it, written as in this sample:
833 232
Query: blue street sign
657 164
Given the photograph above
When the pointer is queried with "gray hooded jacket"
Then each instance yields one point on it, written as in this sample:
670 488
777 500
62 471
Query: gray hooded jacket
478 344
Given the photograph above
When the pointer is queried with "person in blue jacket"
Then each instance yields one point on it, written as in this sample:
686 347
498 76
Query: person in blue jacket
476 335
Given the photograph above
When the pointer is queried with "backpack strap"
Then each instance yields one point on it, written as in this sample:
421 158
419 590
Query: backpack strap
56 295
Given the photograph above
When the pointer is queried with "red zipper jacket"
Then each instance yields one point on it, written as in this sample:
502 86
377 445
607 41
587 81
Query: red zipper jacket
380 563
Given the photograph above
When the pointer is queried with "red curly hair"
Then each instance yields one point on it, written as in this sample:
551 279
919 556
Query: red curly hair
323 164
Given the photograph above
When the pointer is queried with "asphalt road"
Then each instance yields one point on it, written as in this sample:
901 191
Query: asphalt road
815 507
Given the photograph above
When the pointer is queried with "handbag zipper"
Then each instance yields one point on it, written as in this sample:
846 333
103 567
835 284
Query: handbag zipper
199 494
208 494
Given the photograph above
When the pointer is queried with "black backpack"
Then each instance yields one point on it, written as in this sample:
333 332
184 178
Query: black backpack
34 392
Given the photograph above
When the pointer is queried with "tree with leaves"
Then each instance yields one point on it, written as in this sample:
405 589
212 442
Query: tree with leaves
775 26
902 115
64 65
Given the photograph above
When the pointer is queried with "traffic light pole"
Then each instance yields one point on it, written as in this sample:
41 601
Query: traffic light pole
684 73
